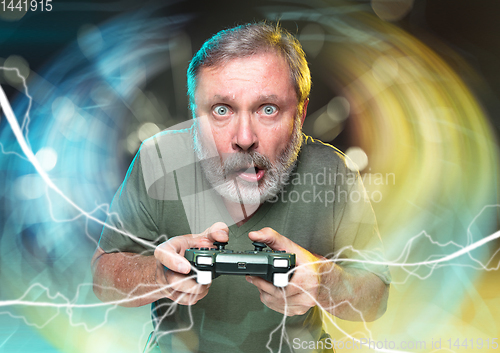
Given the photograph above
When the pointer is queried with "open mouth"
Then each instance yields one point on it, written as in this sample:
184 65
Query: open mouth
251 174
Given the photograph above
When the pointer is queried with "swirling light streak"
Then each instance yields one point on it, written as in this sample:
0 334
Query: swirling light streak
16 129
44 95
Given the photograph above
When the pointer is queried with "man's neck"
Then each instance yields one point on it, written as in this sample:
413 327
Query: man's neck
240 213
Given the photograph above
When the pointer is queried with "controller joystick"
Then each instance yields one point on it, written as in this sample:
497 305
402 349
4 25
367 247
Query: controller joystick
258 246
220 245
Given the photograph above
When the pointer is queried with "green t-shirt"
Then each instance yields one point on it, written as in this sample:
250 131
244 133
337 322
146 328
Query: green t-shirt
323 208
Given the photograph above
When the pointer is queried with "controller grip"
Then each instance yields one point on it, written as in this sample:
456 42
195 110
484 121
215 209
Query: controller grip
280 279
204 277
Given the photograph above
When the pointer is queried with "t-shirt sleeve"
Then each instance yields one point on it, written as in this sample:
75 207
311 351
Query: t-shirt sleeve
130 225
357 240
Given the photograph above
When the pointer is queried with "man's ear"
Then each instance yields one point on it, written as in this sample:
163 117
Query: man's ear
304 112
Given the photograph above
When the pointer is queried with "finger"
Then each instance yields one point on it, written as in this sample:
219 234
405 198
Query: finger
170 281
274 303
168 253
217 232
192 296
185 284
288 306
176 293
270 288
277 241
187 298
272 239
175 286
262 284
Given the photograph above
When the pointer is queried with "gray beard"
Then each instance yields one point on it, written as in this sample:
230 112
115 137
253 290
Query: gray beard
240 191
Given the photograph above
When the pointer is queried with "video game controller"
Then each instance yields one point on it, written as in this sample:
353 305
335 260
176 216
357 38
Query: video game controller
271 265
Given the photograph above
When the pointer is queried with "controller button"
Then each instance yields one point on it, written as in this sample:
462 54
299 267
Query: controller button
204 260
280 263
203 248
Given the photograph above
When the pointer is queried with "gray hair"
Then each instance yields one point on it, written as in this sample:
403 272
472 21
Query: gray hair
247 40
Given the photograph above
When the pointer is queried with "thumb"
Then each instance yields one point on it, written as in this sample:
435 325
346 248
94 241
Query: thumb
217 232
277 241
168 253
273 239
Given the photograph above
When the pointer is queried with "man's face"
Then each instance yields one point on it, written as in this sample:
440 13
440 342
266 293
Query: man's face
247 119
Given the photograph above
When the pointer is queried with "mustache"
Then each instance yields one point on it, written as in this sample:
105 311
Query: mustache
245 160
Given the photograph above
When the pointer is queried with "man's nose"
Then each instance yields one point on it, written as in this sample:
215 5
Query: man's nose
245 137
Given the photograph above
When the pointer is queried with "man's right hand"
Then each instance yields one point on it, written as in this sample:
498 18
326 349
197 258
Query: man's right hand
172 268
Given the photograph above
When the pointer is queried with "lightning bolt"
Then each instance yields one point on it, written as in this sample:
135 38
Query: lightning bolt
16 129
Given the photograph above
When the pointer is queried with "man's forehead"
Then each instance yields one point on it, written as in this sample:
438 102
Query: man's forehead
266 54
266 76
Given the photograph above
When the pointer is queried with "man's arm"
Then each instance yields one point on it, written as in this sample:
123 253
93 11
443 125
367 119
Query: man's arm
342 291
360 290
126 278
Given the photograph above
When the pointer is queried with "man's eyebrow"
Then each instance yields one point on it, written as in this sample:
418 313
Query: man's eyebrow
262 97
268 97
218 97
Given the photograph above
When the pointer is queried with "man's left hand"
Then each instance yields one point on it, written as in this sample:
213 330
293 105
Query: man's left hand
304 289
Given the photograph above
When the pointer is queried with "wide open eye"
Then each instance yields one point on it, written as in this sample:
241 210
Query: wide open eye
269 109
221 110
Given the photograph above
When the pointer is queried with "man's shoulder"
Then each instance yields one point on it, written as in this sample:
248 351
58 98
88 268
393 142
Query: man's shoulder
164 154
170 141
314 151
173 147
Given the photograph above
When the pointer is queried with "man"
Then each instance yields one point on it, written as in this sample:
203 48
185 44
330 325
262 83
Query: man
230 177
